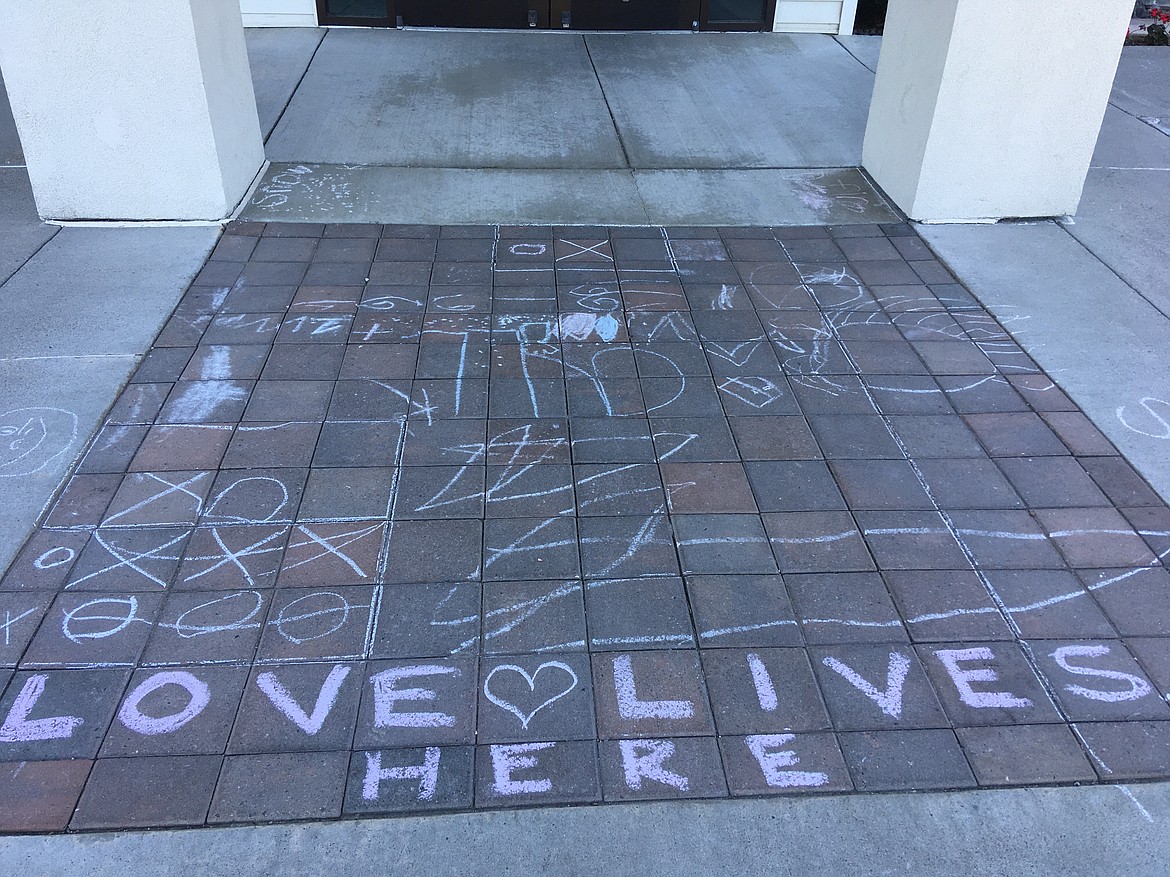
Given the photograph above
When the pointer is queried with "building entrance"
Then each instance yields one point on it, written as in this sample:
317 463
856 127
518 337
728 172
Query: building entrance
718 15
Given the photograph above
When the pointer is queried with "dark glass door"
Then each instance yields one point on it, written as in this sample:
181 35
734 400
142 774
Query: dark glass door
634 14
738 14
466 13
368 13
574 14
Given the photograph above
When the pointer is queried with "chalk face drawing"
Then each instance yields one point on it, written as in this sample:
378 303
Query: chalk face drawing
496 517
34 439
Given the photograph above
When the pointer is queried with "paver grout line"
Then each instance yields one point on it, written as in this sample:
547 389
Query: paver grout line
599 743
1020 342
993 593
297 87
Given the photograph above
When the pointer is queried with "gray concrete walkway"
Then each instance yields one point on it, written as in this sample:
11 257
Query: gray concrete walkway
1086 299
1022 833
565 128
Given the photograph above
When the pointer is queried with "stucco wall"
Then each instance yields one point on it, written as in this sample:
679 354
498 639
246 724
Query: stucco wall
974 118
150 114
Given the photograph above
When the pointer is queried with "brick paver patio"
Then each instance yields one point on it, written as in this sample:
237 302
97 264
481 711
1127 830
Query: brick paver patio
412 518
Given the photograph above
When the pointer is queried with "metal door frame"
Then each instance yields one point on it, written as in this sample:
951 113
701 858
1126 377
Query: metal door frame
732 27
324 17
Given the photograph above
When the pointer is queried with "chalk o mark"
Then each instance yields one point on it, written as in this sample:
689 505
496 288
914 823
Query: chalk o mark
530 678
55 557
301 625
268 495
1156 416
93 620
33 438
210 623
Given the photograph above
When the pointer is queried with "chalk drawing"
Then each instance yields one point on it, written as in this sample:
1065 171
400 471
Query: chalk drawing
329 547
100 618
889 700
507 760
33 439
390 302
315 326
1152 421
132 716
54 557
568 684
167 489
205 619
261 492
133 560
1138 687
276 190
313 616
200 401
584 250
271 543
19 728
528 542
822 193
426 773
9 623
962 677
283 700
501 621
775 762
644 760
630 706
528 249
758 392
387 696
313 188
762 680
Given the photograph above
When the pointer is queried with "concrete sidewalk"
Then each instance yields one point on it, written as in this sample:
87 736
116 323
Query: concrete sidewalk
1049 283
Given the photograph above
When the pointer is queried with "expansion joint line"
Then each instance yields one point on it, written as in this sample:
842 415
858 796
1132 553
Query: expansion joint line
956 534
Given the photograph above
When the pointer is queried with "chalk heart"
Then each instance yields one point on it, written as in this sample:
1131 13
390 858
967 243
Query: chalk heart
555 670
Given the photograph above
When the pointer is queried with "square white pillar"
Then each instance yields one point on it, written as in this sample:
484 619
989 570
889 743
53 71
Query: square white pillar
985 109
132 109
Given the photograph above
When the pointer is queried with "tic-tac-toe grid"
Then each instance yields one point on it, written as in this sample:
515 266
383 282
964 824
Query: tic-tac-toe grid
395 519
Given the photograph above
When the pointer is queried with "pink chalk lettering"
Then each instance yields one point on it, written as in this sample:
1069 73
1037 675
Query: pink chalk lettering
643 759
506 760
19 728
310 723
1138 687
774 762
133 718
426 773
963 677
631 707
889 701
387 696
765 690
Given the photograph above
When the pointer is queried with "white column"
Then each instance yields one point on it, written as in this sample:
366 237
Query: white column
985 109
132 109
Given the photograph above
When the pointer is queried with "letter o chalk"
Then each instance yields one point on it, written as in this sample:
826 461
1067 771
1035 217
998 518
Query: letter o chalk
135 719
